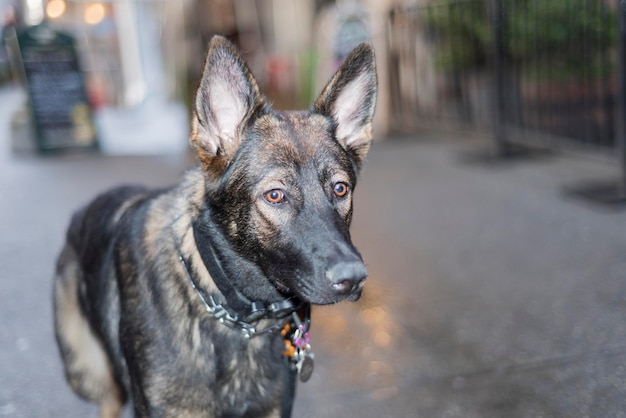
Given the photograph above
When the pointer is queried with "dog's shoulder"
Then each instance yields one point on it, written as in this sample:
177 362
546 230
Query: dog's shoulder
93 225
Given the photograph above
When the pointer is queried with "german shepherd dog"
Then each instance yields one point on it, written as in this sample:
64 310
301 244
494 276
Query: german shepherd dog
193 301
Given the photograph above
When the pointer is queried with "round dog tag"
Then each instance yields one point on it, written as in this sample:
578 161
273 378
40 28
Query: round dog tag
305 368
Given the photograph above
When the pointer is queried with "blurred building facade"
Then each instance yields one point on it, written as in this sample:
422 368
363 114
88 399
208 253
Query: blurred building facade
542 72
294 47
132 52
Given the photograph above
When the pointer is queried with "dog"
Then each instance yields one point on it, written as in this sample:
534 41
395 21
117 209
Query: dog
194 301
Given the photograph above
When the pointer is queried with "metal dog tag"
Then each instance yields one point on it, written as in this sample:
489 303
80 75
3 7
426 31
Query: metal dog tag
305 367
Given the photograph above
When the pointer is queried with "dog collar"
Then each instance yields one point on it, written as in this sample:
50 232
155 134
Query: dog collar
248 326
236 300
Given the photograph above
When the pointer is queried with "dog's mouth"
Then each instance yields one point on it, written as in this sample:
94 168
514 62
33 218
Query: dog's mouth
341 282
330 298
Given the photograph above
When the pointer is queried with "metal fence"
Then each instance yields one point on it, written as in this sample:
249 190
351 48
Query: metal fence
439 61
536 71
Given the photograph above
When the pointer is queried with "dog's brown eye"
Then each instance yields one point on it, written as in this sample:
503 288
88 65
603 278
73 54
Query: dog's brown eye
340 189
274 196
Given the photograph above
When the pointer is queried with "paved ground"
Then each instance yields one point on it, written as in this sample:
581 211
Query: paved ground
490 295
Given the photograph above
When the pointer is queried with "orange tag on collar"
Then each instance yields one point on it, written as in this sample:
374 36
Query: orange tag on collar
290 350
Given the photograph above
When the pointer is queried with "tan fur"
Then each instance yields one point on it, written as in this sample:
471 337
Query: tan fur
87 367
120 212
181 206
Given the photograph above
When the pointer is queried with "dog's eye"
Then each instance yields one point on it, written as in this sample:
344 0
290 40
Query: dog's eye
340 189
274 196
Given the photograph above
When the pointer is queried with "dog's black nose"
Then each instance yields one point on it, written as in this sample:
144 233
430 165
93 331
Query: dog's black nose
346 277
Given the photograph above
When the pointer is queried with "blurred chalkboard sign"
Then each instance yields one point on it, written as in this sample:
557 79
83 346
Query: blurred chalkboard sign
58 100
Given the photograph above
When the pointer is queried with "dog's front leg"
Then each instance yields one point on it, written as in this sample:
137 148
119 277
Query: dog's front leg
110 407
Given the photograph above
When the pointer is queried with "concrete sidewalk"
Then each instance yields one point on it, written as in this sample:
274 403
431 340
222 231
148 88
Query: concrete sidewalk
490 295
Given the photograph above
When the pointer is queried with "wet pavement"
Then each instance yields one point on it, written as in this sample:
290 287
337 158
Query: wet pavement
490 294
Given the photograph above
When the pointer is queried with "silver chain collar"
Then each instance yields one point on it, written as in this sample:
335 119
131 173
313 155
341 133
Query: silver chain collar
231 320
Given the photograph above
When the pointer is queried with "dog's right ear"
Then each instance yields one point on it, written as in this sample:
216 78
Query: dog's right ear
228 97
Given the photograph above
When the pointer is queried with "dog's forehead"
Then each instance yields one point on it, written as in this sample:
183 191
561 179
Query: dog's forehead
299 135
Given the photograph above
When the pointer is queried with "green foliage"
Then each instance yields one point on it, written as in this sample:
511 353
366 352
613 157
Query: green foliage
569 36
307 64
463 32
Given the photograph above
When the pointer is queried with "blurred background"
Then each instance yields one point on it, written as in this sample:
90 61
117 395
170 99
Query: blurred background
490 212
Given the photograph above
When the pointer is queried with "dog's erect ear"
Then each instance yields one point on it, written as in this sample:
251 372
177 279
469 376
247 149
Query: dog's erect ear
350 98
227 98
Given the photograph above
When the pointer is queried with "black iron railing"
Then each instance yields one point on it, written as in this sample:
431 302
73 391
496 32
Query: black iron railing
531 69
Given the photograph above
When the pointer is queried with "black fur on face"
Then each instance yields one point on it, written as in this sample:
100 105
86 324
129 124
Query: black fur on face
293 242
279 184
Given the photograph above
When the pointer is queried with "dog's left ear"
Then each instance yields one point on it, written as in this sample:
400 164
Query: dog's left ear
350 98
227 99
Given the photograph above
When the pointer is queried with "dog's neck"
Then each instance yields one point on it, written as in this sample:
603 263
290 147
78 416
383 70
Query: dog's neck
228 270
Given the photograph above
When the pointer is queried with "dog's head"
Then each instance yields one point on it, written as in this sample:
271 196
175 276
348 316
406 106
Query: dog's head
280 184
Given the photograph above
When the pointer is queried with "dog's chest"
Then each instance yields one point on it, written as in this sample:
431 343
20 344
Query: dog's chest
250 378
243 372
236 376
